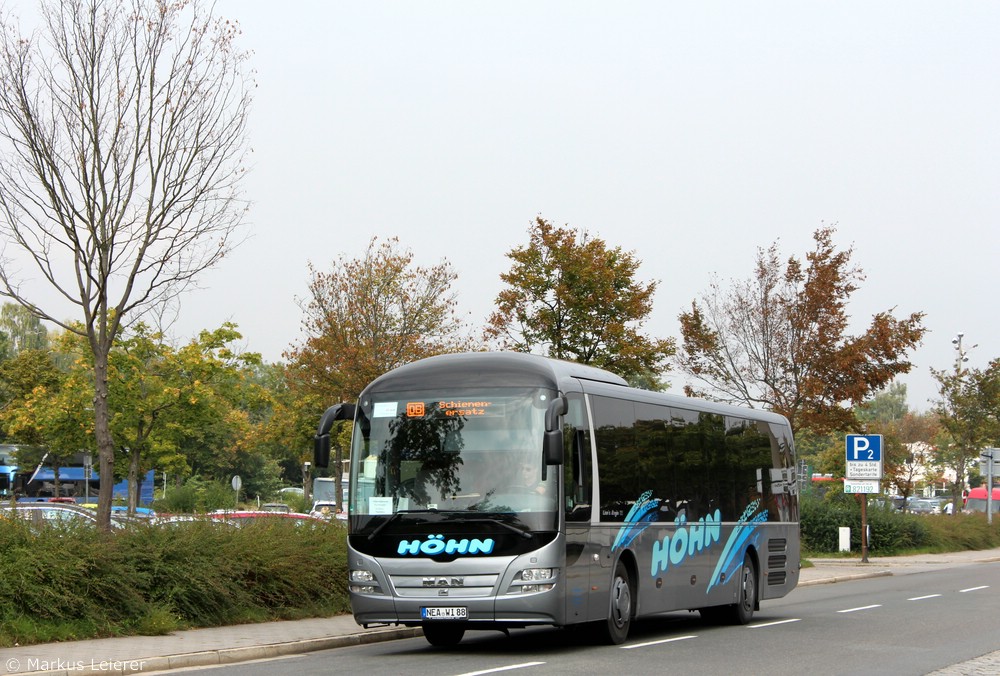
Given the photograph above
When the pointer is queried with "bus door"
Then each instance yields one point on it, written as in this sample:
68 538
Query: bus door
578 492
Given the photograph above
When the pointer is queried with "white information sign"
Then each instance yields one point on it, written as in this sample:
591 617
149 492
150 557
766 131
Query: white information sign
989 462
379 505
861 486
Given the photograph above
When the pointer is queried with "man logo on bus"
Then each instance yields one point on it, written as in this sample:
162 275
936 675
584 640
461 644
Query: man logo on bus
415 409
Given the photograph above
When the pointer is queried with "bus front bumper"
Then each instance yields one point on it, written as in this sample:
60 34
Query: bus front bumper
509 611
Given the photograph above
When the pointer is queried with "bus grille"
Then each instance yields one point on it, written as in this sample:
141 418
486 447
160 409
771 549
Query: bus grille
443 586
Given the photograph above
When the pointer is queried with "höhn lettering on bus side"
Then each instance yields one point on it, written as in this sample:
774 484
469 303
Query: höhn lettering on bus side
436 544
686 540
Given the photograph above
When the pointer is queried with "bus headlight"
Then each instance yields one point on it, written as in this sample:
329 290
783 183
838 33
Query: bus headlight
363 582
532 580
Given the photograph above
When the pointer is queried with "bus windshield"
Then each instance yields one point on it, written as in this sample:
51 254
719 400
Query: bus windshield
464 452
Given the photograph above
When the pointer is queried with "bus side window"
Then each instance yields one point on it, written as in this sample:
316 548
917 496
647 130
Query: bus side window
577 470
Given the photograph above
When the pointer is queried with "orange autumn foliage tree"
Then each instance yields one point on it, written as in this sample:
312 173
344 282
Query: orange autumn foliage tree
779 340
364 317
369 315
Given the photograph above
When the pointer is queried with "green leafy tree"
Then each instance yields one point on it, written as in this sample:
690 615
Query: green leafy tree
779 340
570 296
969 413
43 411
22 329
124 133
168 402
21 374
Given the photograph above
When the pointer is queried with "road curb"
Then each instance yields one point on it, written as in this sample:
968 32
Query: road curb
207 658
844 578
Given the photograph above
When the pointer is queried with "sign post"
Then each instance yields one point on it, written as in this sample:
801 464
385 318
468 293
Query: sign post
864 472
237 484
88 473
989 460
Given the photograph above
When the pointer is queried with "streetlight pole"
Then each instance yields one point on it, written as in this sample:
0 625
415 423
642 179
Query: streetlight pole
960 360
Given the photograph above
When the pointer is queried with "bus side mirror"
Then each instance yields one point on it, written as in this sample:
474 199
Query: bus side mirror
557 407
321 442
321 451
552 446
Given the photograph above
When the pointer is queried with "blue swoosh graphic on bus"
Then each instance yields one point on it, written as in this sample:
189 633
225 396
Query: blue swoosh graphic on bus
746 528
643 513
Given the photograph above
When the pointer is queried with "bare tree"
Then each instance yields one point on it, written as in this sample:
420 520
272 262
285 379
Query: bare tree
779 339
123 139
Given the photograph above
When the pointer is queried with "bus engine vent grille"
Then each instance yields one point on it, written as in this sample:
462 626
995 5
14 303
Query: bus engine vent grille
777 545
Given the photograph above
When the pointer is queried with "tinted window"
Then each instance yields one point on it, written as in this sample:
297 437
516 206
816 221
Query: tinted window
694 462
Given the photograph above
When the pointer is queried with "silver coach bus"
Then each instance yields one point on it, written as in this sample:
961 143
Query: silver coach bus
497 490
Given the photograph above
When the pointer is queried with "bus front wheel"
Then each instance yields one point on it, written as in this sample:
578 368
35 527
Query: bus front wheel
444 635
615 628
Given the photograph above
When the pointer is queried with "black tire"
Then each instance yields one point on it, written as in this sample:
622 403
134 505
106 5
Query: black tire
444 635
620 607
741 612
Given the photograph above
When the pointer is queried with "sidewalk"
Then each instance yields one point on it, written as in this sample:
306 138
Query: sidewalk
223 645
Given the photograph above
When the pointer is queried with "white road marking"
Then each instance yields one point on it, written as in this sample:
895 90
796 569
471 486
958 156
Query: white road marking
666 640
509 667
771 624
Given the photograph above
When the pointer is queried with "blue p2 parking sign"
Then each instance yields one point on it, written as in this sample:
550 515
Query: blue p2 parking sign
864 447
864 456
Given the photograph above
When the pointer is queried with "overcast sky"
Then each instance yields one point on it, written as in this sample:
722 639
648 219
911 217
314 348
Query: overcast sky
690 133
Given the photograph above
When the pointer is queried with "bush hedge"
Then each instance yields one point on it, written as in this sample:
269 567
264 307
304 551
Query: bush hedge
72 582
891 532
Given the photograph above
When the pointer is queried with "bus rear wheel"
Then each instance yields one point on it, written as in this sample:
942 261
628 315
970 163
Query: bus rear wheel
615 629
444 635
741 612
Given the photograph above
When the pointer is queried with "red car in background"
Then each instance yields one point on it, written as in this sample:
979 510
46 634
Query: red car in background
243 517
976 500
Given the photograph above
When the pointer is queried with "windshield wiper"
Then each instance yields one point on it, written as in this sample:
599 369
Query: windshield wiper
395 515
514 529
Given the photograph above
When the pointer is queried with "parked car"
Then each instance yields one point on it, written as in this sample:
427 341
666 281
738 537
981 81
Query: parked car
56 513
924 505
327 510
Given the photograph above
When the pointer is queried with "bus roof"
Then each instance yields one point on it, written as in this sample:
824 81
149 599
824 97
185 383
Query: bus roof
473 368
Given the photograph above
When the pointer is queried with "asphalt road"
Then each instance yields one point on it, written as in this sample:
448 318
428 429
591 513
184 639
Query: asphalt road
908 624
